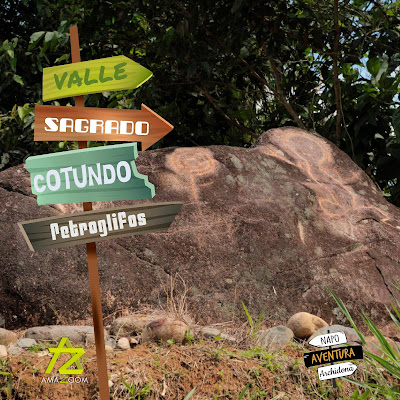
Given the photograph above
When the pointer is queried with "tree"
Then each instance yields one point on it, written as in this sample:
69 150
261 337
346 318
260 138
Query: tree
224 72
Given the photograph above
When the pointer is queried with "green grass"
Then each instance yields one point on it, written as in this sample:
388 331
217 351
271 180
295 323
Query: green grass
388 364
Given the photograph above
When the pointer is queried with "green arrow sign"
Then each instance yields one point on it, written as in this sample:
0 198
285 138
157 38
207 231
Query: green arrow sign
96 174
105 74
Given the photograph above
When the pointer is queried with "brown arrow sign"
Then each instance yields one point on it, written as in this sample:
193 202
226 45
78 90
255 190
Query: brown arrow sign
93 226
102 124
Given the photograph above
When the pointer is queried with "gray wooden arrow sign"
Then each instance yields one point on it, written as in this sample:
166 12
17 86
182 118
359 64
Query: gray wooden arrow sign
98 225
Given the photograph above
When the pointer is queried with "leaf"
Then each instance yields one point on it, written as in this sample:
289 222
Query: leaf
383 67
36 36
345 311
49 36
236 5
248 315
373 66
243 392
190 394
18 79
62 58
396 120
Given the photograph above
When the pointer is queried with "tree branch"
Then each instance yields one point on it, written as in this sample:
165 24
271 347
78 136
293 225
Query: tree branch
276 91
234 122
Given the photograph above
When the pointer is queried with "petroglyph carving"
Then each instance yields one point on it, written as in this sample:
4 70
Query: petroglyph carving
193 165
335 194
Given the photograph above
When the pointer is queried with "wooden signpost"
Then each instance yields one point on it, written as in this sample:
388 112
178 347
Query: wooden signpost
93 226
72 123
103 75
97 174
344 353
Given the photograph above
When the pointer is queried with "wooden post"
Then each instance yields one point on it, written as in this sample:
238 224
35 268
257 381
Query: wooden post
92 259
334 380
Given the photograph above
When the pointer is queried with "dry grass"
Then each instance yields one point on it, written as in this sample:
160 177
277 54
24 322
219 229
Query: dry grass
170 372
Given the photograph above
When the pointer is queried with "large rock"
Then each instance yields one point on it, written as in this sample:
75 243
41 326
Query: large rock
304 324
272 225
75 334
373 345
3 351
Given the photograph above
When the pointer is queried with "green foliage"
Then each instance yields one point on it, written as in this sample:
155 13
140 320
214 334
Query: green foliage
136 393
389 361
188 338
243 392
254 326
5 380
190 394
224 72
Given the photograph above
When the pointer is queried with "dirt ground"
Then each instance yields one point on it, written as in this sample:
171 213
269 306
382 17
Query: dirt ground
171 372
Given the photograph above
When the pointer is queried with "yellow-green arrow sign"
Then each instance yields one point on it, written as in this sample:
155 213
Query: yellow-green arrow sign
103 75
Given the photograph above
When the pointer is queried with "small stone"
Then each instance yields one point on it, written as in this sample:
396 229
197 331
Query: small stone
212 333
275 338
110 383
3 351
111 342
304 324
165 329
108 348
123 343
25 343
14 350
7 337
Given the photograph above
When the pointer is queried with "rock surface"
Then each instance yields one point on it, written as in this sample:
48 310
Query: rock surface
111 342
123 343
211 333
304 324
275 338
271 225
165 329
75 334
25 343
14 350
351 334
373 346
3 351
7 337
